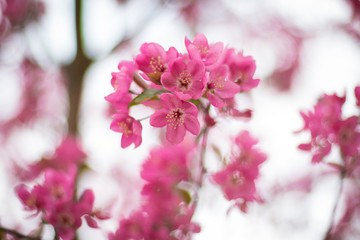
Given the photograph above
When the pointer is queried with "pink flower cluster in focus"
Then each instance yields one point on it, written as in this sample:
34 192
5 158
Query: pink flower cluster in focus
179 86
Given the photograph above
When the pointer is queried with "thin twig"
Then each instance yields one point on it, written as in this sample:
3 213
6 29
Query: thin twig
337 201
17 234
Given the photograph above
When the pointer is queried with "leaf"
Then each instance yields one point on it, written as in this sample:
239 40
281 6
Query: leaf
146 95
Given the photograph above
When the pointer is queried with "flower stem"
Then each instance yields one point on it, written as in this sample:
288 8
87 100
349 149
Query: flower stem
328 235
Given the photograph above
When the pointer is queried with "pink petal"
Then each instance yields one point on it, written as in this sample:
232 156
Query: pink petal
228 90
158 118
175 135
91 222
168 81
215 101
192 124
200 40
177 67
190 108
170 101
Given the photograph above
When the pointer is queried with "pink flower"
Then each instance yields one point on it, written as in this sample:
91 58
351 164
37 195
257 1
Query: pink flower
246 155
167 165
120 100
323 123
121 80
235 183
66 216
242 69
185 78
201 50
70 151
129 127
34 200
153 60
178 116
219 87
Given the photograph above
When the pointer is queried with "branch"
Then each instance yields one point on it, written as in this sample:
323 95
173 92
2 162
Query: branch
17 234
328 235
75 72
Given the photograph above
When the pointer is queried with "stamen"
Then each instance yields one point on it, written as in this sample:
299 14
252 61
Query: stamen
156 64
175 118
185 80
124 128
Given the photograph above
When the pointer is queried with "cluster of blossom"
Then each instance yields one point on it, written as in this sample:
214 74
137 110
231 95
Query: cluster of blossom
169 203
237 178
178 85
16 13
328 128
55 199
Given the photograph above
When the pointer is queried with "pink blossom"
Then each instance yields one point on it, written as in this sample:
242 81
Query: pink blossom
167 165
32 200
178 116
66 218
242 69
70 151
153 60
323 123
121 80
135 227
246 155
219 87
201 50
119 100
129 127
235 183
185 78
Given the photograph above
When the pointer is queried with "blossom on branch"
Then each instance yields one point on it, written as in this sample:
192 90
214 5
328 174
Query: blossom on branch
178 116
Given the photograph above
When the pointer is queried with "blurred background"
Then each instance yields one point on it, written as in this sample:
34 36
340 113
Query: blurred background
302 49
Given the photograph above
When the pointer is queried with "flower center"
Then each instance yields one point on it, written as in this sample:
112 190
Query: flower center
66 220
156 64
175 118
217 82
185 80
203 50
124 128
238 178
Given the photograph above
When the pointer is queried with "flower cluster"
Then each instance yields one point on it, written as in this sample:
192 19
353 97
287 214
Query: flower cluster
178 86
168 206
237 178
55 199
328 127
